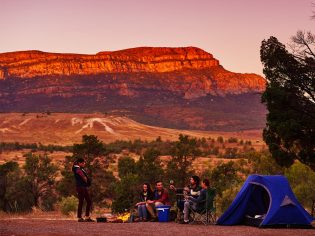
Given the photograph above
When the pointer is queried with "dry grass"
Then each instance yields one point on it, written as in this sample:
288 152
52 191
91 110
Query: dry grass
37 213
67 128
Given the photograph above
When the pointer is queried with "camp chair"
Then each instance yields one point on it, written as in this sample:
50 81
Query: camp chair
313 208
207 214
179 200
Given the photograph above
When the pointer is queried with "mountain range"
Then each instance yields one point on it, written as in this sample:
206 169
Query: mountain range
183 88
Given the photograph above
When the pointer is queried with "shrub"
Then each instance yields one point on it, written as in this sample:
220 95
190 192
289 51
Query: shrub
228 195
68 204
248 142
126 193
232 140
220 139
302 178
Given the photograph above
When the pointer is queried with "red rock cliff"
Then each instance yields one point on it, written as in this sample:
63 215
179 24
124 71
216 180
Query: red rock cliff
190 71
155 60
184 88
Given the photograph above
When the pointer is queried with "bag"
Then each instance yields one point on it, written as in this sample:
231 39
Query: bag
101 219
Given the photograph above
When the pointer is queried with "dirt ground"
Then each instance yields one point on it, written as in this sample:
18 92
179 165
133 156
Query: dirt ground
45 227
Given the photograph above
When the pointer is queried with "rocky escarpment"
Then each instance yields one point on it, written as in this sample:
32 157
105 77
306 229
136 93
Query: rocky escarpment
170 87
189 70
30 64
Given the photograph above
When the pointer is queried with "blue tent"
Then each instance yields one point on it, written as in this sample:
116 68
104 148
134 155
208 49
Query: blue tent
266 201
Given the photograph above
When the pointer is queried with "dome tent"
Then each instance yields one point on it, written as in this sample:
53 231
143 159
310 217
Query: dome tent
266 201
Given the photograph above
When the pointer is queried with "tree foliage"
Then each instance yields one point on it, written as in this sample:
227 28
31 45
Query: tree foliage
126 193
40 175
126 165
290 100
68 205
5 170
132 175
262 163
149 166
34 185
97 162
302 179
223 176
90 149
184 152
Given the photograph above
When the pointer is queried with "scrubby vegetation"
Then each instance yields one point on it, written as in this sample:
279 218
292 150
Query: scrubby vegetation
42 184
68 205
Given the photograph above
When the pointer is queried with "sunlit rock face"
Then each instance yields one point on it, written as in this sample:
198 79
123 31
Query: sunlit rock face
205 75
145 82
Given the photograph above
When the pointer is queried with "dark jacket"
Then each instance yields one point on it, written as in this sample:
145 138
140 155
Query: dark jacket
144 198
79 174
201 200
195 192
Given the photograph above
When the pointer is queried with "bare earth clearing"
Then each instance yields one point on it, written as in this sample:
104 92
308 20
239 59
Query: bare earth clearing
54 223
68 128
45 227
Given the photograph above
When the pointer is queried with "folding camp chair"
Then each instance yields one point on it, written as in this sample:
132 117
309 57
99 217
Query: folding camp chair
206 215
179 206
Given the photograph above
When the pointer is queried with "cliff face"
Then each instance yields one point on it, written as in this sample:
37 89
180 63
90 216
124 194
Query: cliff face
155 60
146 83
200 73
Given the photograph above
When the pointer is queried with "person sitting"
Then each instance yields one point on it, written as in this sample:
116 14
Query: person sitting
196 203
145 195
160 198
192 190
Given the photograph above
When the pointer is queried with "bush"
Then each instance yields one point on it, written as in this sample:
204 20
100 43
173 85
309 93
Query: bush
232 140
68 204
302 178
228 195
126 193
248 142
220 139
48 203
262 163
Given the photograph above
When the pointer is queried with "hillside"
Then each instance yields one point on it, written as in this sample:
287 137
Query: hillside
66 129
183 88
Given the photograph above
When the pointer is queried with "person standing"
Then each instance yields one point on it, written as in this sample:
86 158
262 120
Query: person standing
82 184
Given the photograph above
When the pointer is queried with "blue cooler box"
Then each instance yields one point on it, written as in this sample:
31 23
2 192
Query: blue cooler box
163 213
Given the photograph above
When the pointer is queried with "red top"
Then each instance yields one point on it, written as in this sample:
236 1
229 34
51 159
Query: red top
163 197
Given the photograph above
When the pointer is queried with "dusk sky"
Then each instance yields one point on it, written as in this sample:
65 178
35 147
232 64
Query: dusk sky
232 30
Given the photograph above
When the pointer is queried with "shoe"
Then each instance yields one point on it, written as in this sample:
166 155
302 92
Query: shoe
89 220
81 220
154 219
184 222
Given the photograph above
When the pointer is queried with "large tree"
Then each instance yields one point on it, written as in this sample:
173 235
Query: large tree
5 170
39 178
97 163
150 166
290 99
183 153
